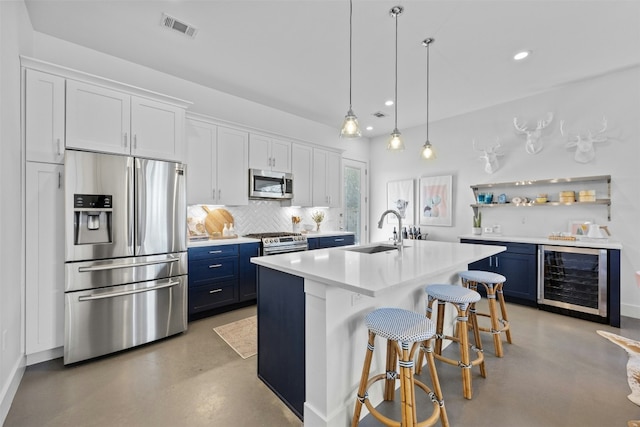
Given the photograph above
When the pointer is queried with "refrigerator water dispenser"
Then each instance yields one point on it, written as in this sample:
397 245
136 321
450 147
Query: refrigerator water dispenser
92 218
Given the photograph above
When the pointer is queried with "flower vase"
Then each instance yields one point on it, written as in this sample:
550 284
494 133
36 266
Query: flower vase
296 228
317 227
477 230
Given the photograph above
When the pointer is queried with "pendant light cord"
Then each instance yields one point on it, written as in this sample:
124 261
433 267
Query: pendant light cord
428 47
396 89
350 43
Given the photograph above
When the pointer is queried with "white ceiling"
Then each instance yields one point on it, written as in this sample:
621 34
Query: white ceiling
293 55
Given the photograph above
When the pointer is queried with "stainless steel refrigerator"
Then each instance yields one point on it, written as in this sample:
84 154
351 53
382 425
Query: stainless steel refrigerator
125 253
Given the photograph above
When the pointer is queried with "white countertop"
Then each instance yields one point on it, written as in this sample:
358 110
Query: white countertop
218 242
373 274
584 243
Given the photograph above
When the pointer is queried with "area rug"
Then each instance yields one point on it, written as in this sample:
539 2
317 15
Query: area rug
242 336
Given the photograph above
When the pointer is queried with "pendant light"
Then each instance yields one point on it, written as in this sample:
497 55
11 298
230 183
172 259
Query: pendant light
350 127
428 152
395 141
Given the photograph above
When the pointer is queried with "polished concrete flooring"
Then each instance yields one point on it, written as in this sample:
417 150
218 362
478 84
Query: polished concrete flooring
558 372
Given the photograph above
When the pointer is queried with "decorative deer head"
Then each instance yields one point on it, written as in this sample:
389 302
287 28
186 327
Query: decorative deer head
489 155
533 144
585 151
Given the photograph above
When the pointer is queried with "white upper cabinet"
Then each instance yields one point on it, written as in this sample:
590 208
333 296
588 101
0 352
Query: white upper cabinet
301 166
327 169
217 171
267 153
110 121
44 117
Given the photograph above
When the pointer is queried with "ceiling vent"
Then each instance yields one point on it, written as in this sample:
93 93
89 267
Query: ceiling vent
379 114
173 24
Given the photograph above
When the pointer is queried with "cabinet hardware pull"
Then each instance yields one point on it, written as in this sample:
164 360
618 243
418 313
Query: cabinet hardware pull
339 240
58 146
215 291
215 265
126 143
59 179
490 261
215 252
135 141
497 262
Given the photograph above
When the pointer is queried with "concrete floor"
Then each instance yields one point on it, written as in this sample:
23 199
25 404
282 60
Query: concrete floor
558 372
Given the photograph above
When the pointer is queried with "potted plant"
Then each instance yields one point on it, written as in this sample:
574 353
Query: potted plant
477 223
317 217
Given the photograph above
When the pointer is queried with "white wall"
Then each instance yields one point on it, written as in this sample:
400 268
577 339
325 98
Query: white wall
205 101
582 105
15 38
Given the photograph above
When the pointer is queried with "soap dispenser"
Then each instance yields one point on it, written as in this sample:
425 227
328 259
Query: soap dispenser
225 230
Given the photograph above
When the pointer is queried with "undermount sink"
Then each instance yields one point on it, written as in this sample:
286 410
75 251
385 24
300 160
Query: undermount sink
372 249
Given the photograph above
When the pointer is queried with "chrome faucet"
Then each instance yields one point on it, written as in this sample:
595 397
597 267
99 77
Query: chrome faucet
396 213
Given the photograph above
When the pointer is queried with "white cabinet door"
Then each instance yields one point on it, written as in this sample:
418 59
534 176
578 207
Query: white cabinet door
334 179
98 119
232 170
301 167
270 154
327 168
280 156
259 152
201 146
45 257
320 197
44 117
157 129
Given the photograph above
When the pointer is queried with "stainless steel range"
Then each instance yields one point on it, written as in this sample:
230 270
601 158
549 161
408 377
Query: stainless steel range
280 243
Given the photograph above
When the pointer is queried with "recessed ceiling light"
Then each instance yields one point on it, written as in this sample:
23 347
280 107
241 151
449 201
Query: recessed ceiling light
369 127
388 103
521 55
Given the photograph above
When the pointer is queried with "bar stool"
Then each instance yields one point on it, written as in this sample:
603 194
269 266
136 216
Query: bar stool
401 328
493 284
462 299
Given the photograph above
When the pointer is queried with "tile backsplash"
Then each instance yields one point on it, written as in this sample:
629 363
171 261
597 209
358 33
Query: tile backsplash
267 216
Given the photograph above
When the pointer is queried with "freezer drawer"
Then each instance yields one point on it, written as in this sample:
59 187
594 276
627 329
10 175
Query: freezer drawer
106 320
121 271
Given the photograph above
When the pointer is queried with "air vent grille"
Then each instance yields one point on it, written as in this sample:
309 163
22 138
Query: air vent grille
173 24
379 114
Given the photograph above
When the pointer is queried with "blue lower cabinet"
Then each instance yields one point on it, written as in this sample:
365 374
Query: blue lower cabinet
221 276
248 271
518 264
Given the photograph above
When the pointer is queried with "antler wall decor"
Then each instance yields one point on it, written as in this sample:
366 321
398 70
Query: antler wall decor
533 144
489 155
585 150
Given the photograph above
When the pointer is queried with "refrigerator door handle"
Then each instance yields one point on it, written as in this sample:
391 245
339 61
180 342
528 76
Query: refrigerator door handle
141 209
115 266
123 293
130 209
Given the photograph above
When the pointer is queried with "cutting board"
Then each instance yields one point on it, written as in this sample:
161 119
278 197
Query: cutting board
215 221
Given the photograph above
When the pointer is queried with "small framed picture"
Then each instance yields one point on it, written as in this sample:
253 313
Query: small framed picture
436 203
579 227
400 198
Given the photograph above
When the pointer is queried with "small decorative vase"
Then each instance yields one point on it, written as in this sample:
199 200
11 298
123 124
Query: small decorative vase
477 230
317 226
296 228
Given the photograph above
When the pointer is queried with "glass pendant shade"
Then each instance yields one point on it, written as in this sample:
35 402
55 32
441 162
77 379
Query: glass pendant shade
395 142
428 152
350 127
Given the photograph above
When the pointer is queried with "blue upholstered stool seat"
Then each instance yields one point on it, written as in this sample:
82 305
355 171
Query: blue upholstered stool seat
482 276
453 293
400 325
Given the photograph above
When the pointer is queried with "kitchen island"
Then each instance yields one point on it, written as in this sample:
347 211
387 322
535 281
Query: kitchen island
311 307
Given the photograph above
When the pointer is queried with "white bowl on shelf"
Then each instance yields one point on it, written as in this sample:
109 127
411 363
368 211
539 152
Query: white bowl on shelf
308 227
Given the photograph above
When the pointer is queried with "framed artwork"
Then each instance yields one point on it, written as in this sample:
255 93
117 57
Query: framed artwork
578 227
436 203
400 198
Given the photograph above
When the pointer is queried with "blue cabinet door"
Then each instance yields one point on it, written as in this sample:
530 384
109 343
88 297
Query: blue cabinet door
248 271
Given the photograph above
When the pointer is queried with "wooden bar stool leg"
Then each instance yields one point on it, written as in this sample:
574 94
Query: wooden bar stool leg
503 309
440 327
465 363
430 302
495 324
407 391
362 393
437 390
392 373
473 322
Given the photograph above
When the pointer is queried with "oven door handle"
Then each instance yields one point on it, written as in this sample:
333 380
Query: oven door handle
115 266
123 293
283 251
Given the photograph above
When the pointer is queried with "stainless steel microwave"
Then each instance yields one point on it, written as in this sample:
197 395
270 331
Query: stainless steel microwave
270 185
